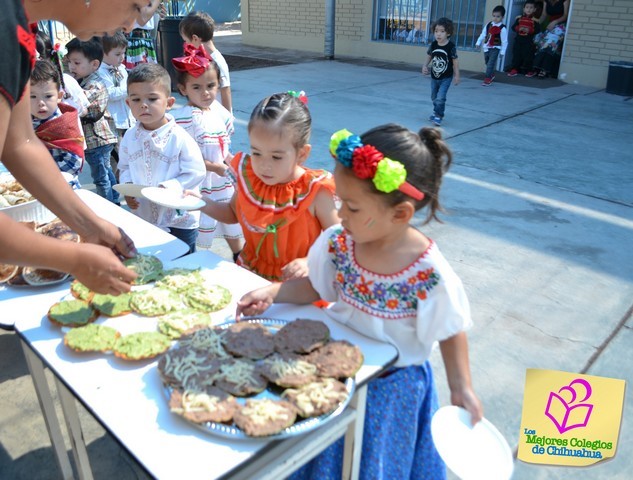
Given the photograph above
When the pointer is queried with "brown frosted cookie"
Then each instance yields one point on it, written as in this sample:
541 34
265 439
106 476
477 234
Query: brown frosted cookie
260 418
317 398
188 369
207 339
212 405
240 378
337 359
288 370
302 336
250 340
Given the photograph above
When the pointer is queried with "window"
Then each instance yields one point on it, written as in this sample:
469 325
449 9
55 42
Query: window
409 21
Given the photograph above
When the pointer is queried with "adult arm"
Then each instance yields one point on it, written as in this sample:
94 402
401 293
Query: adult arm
32 165
227 101
455 355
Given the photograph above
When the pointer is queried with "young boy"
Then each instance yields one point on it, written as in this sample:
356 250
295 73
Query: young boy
523 49
494 37
56 124
84 59
157 152
442 57
114 76
197 28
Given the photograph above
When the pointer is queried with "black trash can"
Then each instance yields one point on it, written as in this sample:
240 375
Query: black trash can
620 78
171 46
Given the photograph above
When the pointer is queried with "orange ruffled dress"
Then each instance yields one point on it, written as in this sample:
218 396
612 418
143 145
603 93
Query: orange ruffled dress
277 223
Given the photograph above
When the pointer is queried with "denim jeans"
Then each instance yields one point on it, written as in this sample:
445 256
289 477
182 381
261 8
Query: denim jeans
187 235
439 88
102 175
490 57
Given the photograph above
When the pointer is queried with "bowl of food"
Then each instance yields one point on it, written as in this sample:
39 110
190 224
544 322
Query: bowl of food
20 205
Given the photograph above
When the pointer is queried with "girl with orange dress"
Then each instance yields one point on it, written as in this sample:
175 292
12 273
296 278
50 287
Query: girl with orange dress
281 205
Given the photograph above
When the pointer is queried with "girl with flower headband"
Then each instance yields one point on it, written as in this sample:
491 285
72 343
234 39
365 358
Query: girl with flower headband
389 281
281 205
211 126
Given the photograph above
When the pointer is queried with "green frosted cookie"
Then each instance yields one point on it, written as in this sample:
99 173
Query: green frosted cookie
91 338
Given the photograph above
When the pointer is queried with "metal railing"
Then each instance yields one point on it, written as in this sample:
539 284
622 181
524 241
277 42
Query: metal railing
409 21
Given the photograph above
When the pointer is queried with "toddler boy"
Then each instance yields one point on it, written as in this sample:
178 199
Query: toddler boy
158 152
114 76
526 27
442 58
197 28
56 124
84 59
494 38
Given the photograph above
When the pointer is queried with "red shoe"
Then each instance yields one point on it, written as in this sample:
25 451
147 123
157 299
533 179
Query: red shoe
530 74
513 73
487 82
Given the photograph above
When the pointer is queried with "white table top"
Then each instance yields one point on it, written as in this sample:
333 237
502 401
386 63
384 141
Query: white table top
128 397
148 239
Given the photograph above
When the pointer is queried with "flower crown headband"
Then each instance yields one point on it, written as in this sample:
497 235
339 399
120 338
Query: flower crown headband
195 61
368 163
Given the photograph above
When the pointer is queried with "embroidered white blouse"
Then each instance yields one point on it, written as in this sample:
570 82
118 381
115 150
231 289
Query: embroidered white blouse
411 309
167 157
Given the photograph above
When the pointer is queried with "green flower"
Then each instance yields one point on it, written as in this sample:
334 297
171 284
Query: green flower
336 138
390 174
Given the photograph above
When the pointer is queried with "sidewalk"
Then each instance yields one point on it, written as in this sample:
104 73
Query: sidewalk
538 224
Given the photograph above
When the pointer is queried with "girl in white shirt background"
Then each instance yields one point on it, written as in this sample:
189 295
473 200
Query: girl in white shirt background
389 281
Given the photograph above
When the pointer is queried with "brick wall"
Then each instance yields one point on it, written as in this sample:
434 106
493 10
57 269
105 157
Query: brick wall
296 18
599 31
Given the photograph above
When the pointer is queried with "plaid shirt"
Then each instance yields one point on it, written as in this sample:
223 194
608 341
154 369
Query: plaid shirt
97 123
66 161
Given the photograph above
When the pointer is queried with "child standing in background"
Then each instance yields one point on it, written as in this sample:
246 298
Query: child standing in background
390 282
494 38
281 205
114 76
526 27
55 123
197 28
157 152
442 57
84 59
211 126
141 47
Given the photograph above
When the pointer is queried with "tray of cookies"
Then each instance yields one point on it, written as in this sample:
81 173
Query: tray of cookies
260 377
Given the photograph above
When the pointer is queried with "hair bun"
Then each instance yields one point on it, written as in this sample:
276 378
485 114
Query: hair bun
432 138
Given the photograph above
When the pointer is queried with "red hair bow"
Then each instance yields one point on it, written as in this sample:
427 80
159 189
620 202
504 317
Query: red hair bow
195 62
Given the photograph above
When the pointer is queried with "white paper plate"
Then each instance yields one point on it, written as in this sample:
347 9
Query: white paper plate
478 452
130 189
172 199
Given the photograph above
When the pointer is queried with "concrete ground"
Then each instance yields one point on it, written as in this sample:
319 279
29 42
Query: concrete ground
538 224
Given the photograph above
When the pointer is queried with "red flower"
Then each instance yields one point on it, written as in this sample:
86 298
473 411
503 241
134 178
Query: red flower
364 161
392 303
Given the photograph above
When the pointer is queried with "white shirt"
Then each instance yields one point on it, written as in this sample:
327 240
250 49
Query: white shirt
117 93
166 157
218 58
76 96
503 35
411 309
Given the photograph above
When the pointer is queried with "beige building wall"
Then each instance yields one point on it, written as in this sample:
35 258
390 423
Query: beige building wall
600 31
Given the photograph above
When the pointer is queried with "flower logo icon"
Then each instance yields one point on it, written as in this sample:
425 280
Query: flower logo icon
567 408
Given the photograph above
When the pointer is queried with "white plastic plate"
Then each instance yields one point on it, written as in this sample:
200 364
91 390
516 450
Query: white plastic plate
172 199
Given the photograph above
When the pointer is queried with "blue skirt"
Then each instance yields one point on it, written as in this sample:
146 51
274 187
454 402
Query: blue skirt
397 443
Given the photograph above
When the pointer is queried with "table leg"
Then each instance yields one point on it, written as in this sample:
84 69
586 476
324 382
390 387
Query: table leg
36 369
354 436
74 431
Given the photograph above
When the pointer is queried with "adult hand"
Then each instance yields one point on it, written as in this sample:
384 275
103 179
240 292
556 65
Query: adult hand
296 269
109 235
99 269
